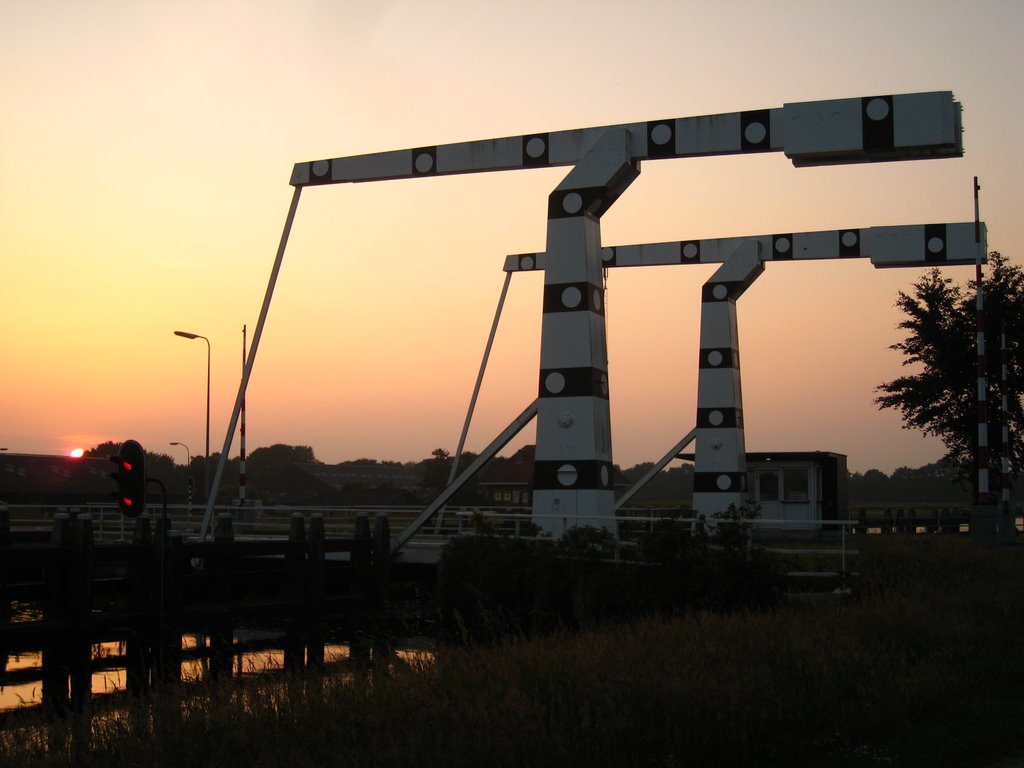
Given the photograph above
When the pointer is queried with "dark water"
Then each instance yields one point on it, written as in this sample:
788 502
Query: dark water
412 651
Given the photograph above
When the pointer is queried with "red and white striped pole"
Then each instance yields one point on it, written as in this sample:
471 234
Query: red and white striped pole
1004 484
982 452
241 435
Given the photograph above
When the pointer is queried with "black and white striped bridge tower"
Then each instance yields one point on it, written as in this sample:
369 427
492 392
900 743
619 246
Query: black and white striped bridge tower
719 473
572 479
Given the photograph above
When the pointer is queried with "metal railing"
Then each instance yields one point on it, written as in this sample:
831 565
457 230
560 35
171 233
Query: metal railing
782 537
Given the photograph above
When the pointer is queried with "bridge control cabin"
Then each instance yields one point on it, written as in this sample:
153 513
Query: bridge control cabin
797 489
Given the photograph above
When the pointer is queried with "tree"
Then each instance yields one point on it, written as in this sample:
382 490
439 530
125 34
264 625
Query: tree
940 397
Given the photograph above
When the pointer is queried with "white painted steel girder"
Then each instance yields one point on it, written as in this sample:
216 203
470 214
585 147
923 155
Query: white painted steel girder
856 130
908 245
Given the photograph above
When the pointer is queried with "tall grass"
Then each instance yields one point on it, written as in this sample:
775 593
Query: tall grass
934 640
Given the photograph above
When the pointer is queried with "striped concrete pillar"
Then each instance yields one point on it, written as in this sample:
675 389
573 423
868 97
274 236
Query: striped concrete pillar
573 470
720 466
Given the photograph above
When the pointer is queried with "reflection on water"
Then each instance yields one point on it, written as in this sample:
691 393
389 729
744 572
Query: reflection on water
194 664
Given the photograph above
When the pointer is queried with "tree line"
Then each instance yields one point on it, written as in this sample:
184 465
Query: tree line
266 468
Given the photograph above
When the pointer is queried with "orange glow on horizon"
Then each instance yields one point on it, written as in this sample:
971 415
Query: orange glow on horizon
172 132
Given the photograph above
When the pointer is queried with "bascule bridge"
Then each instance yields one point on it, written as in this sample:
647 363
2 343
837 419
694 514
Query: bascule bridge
573 471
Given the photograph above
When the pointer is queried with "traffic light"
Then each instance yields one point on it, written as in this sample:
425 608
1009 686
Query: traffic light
131 479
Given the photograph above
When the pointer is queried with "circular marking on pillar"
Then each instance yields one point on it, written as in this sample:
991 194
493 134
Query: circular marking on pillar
565 419
782 245
604 384
877 109
755 133
424 162
597 300
661 134
723 482
607 254
535 147
571 297
321 167
526 262
715 418
690 250
715 357
935 245
719 292
567 475
554 382
605 477
572 203
849 239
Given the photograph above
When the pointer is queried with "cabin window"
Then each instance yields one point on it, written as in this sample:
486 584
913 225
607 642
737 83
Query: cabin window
768 485
795 483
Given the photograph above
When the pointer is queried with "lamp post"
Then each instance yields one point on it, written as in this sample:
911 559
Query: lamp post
188 454
206 456
188 477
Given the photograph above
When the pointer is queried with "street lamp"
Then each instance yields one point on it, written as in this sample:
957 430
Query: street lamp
206 456
188 454
188 476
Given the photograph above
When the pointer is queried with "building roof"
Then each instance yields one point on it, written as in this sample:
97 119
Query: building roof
363 474
514 470
29 478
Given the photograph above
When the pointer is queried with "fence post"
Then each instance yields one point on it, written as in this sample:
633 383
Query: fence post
81 611
381 555
362 566
294 644
316 573
5 563
222 632
139 644
168 603
56 679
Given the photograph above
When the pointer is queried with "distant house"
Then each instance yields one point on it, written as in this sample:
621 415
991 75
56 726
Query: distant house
509 482
54 480
361 484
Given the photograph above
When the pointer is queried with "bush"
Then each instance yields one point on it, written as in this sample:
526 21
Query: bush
491 587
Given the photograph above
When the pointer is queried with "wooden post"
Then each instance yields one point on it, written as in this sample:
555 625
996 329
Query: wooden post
362 565
222 632
56 680
5 563
315 579
168 604
140 643
381 555
81 612
294 641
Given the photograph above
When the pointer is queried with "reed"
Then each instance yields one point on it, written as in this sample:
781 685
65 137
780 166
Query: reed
920 668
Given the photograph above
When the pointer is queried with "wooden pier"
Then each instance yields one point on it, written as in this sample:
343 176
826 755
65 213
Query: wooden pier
63 593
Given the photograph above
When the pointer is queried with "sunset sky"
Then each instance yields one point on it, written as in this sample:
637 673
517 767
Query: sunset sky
145 153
